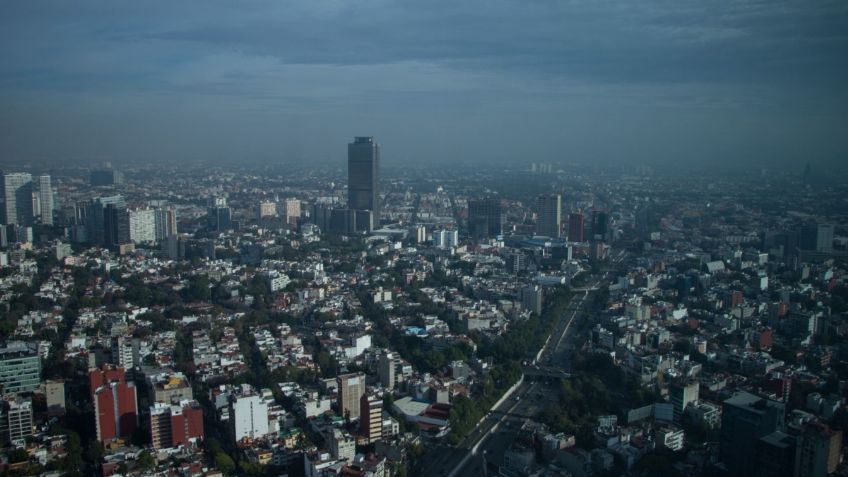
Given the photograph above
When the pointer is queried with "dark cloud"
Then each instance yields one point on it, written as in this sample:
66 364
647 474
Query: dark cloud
598 79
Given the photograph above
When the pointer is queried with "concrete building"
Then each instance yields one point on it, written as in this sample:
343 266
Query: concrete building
351 388
683 394
266 209
165 222
54 392
549 210
171 388
115 404
531 299
387 368
818 451
142 225
175 425
249 415
292 211
371 417
16 419
342 445
445 239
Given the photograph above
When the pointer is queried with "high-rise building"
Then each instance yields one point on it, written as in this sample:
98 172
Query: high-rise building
45 199
267 209
125 352
175 425
531 299
549 209
292 211
351 388
600 225
363 177
575 227
17 199
165 222
371 417
115 405
116 225
250 417
485 218
387 368
142 225
16 418
818 450
20 368
95 217
745 419
683 394
220 217
445 238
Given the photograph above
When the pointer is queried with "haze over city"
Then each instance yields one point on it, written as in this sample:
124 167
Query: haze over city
610 82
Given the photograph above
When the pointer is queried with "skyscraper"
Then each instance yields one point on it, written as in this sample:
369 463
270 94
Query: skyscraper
45 199
363 177
549 208
371 417
351 388
485 218
17 199
575 227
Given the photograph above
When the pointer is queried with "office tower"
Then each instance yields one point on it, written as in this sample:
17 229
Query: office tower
54 392
20 368
16 419
45 199
485 218
531 299
371 417
575 227
818 450
363 177
125 352
600 225
745 419
250 417
351 388
115 407
683 394
816 237
142 223
17 199
106 177
165 222
219 215
267 209
95 217
175 425
116 225
549 208
292 211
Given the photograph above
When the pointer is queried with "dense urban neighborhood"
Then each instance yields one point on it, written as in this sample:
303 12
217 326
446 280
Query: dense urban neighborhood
375 321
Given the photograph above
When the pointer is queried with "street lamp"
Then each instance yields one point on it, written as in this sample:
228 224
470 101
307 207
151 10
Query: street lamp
485 467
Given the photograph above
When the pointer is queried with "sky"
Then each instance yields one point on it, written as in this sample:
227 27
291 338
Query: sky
762 83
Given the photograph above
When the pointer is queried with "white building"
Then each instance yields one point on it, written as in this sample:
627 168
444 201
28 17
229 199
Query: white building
142 225
250 417
446 238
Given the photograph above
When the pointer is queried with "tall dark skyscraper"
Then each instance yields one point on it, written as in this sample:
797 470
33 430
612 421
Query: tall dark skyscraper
575 227
363 177
485 218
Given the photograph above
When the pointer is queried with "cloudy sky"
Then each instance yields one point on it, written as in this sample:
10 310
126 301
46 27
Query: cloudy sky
437 81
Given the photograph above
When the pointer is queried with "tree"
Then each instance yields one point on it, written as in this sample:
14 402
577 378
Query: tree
225 463
146 461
